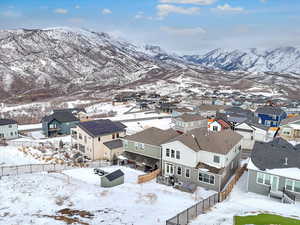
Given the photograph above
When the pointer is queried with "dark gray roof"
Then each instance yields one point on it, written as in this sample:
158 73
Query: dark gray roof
63 117
115 175
269 110
7 122
114 144
71 110
272 155
100 127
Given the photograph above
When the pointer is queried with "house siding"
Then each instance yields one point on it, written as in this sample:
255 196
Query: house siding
149 150
9 131
253 186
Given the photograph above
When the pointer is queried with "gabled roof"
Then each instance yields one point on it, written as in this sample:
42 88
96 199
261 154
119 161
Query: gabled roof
290 120
183 110
153 136
272 155
114 175
269 110
212 107
216 142
7 122
63 117
101 127
223 123
71 110
190 117
117 143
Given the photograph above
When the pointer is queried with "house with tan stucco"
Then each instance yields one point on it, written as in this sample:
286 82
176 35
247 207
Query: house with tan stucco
98 139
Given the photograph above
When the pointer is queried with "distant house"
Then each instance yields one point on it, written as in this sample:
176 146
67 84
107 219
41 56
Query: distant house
206 159
274 170
165 107
290 128
98 139
180 111
270 115
210 111
59 123
252 132
80 113
218 125
8 129
143 148
187 122
236 115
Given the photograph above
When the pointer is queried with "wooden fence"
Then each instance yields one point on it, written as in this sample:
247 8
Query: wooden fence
228 188
37 168
149 176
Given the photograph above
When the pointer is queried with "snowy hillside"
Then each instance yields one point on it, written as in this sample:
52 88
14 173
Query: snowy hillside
282 60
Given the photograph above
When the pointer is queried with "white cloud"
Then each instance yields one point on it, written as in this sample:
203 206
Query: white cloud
61 11
77 6
166 9
141 15
106 11
228 8
194 2
183 31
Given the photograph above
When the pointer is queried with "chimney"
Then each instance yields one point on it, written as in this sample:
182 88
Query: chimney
286 161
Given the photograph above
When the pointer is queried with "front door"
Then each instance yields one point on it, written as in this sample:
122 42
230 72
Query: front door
169 169
274 183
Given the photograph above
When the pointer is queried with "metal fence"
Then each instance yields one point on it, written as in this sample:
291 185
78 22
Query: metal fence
184 217
36 168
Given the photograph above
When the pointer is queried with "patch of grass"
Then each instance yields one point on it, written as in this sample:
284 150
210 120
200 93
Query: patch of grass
265 219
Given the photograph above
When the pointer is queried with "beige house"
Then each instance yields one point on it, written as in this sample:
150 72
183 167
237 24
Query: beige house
290 129
98 139
187 122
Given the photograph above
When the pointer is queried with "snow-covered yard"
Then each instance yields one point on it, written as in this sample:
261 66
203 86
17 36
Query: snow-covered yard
10 155
37 198
242 203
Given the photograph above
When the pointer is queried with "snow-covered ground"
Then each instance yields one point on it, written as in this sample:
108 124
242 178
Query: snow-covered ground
35 199
242 202
10 155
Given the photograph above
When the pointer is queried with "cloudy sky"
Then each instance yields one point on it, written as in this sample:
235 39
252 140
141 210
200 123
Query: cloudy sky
182 26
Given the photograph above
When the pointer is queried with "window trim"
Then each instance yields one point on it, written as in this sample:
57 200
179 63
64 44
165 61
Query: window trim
264 178
218 158
180 171
168 152
294 182
187 169
209 175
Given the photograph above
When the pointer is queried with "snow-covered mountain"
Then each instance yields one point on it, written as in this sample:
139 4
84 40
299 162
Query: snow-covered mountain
281 60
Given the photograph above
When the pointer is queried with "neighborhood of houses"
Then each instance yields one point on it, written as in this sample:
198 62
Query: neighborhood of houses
206 145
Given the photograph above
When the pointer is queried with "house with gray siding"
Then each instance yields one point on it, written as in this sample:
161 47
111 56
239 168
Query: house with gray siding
274 170
187 122
59 123
143 148
207 159
8 129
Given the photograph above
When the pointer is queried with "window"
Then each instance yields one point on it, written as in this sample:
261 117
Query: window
113 136
118 135
10 126
177 154
167 152
136 145
125 142
80 136
99 139
85 139
263 178
187 173
11 134
179 171
141 146
215 128
172 153
232 165
252 138
216 159
206 178
292 185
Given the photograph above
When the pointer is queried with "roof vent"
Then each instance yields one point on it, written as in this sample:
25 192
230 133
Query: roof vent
286 161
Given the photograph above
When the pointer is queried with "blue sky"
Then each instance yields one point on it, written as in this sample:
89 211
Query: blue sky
183 26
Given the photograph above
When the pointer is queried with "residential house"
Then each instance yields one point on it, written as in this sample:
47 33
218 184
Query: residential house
8 129
290 128
218 125
180 111
274 170
236 115
206 159
210 111
59 123
270 115
98 139
252 132
143 148
187 122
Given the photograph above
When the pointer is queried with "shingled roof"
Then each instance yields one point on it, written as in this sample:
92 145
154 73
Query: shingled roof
269 110
272 155
62 116
153 136
100 127
113 144
190 117
7 122
217 142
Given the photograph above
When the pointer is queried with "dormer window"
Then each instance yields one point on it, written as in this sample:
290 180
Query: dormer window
216 159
